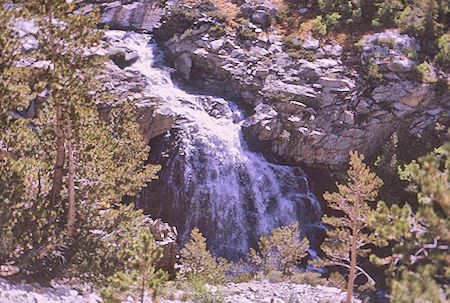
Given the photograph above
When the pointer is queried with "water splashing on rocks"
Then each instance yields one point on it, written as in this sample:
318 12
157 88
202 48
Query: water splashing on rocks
210 179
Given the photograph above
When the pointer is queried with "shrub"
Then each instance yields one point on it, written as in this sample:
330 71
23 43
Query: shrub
412 54
235 272
337 280
219 30
386 13
303 54
373 73
420 72
281 250
332 20
140 279
207 296
308 277
443 55
283 13
274 276
107 246
198 262
359 44
441 86
318 27
246 33
350 11
410 21
292 42
190 290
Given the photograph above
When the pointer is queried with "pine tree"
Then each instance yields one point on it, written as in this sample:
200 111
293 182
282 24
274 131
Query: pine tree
65 161
419 267
282 250
198 263
349 238
141 279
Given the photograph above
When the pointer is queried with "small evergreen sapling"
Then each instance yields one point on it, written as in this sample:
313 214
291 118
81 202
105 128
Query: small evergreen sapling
280 251
198 263
141 279
349 237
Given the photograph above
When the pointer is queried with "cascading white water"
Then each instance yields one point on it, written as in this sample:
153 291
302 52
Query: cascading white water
211 179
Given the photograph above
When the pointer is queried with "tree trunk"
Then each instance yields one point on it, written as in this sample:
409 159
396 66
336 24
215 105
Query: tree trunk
143 290
71 185
60 155
60 149
351 276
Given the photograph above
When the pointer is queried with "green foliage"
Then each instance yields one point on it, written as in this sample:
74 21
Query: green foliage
246 33
141 279
282 250
386 12
425 20
302 54
295 50
350 236
359 44
337 280
109 241
318 27
349 11
419 263
373 73
308 277
220 29
443 55
332 20
420 72
207 296
417 287
200 266
198 262
109 154
283 13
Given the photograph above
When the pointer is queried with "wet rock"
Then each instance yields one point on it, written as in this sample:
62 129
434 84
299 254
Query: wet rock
123 57
183 64
153 121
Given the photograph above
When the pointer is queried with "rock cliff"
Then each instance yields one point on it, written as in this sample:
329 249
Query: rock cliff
309 100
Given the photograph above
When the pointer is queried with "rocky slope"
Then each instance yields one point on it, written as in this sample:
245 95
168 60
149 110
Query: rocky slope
309 110
26 293
250 292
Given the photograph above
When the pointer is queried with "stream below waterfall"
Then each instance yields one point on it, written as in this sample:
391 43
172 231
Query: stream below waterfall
209 178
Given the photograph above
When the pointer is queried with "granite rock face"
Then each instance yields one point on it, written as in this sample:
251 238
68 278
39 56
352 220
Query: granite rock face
302 111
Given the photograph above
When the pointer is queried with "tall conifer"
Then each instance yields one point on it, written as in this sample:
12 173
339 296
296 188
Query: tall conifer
349 238
68 161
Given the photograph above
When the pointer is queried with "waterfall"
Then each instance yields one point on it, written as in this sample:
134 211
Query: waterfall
210 179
